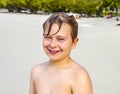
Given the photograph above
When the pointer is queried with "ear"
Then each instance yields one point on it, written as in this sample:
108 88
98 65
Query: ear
75 42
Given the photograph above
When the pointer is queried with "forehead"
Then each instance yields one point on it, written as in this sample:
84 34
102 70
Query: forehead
64 30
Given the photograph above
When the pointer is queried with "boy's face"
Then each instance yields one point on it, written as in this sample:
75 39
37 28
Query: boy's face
58 46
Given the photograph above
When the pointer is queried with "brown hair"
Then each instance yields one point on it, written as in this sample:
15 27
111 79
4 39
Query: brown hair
60 18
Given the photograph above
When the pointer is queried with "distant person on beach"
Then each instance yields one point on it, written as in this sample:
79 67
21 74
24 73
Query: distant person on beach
61 74
109 16
117 19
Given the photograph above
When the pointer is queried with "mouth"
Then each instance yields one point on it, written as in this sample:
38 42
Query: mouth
54 52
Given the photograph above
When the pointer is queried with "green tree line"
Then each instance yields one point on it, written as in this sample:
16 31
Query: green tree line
88 7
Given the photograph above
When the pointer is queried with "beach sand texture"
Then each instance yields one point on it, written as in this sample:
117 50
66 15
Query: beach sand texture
21 48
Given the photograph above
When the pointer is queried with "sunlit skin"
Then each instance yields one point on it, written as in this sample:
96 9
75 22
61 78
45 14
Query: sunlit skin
58 46
61 74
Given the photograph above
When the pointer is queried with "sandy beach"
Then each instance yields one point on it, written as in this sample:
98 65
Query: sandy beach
21 48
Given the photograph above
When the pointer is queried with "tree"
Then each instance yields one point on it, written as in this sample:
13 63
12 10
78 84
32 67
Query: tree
89 7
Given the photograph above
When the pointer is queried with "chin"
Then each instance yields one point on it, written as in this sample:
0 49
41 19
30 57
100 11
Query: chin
54 59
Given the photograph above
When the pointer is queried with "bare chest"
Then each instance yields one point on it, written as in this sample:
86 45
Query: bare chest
53 84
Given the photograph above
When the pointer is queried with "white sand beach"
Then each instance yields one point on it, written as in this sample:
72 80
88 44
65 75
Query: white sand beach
21 48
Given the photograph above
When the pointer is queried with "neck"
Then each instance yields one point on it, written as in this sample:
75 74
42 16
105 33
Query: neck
61 63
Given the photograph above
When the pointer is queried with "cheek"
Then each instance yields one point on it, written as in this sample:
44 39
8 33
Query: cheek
45 43
66 45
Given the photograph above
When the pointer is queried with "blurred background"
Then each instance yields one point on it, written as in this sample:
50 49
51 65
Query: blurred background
86 8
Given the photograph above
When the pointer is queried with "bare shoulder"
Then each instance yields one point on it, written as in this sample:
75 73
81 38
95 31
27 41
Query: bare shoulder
82 75
37 69
79 70
82 78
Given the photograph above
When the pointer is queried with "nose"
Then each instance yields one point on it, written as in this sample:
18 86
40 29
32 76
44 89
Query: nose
53 44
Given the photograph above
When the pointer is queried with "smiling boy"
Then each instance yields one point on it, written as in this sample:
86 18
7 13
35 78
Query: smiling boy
61 74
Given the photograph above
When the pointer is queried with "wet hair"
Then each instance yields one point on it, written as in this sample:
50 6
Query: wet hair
59 19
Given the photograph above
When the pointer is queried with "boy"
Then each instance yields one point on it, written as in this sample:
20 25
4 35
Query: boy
61 74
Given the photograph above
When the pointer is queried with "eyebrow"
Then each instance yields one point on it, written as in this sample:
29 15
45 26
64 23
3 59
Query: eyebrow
56 36
61 36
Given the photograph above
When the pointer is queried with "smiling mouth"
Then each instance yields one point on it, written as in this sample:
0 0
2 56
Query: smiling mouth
53 52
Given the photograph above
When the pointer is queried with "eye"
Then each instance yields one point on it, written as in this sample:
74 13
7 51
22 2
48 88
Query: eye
61 39
47 37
